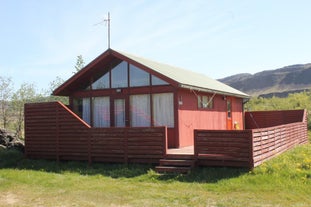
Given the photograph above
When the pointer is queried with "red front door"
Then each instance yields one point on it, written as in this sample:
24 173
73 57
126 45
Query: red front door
229 114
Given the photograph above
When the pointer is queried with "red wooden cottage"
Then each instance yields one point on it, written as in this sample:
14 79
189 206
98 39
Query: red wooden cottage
121 90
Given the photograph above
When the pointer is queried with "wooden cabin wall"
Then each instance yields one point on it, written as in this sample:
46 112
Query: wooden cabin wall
190 117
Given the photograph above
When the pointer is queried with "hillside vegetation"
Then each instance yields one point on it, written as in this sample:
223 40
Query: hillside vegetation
279 82
300 100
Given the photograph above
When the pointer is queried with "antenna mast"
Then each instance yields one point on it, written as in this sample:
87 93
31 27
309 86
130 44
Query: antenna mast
108 23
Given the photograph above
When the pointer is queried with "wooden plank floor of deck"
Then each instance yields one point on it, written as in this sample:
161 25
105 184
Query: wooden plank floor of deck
181 151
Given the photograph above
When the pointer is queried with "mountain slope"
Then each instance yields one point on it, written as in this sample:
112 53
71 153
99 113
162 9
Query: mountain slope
272 82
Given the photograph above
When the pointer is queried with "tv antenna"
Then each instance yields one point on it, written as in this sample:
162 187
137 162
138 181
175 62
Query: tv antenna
107 23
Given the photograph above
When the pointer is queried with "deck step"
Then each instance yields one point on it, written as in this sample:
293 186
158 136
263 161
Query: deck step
180 156
172 169
176 164
173 162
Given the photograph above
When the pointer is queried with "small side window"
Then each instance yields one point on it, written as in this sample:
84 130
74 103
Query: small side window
205 102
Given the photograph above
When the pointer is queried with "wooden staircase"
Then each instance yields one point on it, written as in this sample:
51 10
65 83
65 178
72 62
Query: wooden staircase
173 163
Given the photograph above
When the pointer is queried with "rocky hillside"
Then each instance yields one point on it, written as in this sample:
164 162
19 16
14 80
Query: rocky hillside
277 82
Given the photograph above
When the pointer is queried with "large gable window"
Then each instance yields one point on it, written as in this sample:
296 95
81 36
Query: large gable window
102 83
138 77
157 81
119 76
126 75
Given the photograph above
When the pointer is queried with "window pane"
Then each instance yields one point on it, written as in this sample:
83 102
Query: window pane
140 110
119 76
86 110
138 77
119 112
199 102
157 81
101 112
163 109
205 102
229 108
102 82
78 106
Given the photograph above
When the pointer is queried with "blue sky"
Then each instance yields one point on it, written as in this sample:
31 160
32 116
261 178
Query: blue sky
41 39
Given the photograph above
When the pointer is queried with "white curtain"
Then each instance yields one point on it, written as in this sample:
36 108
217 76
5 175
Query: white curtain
101 112
119 112
163 109
140 110
86 110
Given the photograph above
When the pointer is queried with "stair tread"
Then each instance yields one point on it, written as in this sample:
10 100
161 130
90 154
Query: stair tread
178 160
171 169
168 162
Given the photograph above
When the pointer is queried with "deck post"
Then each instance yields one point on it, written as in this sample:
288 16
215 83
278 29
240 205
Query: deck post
195 147
165 142
125 144
251 149
57 132
89 148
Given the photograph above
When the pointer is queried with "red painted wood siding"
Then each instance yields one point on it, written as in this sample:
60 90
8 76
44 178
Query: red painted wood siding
190 117
52 131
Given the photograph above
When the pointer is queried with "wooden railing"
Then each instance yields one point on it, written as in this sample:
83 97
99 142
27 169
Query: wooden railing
249 148
263 119
269 142
52 131
223 147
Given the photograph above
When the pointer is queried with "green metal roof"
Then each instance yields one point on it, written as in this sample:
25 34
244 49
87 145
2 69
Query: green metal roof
186 78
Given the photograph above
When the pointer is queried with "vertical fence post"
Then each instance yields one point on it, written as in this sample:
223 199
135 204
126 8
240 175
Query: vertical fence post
164 141
251 149
195 147
89 148
57 125
125 144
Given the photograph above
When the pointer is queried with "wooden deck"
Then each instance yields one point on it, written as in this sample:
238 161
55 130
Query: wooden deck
181 151
53 131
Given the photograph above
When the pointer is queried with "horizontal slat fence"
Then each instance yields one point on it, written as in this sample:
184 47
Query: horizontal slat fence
223 147
52 131
251 147
263 119
269 142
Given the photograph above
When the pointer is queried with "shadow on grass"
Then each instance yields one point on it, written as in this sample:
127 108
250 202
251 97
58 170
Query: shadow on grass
12 159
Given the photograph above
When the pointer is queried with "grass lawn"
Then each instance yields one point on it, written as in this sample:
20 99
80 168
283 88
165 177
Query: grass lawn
282 181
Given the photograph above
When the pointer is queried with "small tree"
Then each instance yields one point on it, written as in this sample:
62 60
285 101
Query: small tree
6 89
53 85
80 63
25 94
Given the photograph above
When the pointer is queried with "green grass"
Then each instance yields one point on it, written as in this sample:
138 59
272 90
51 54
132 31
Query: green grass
282 181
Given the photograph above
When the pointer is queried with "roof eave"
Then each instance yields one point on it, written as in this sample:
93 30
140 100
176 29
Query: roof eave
214 91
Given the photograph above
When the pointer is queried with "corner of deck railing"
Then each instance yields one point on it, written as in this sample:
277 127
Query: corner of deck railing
195 148
165 142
